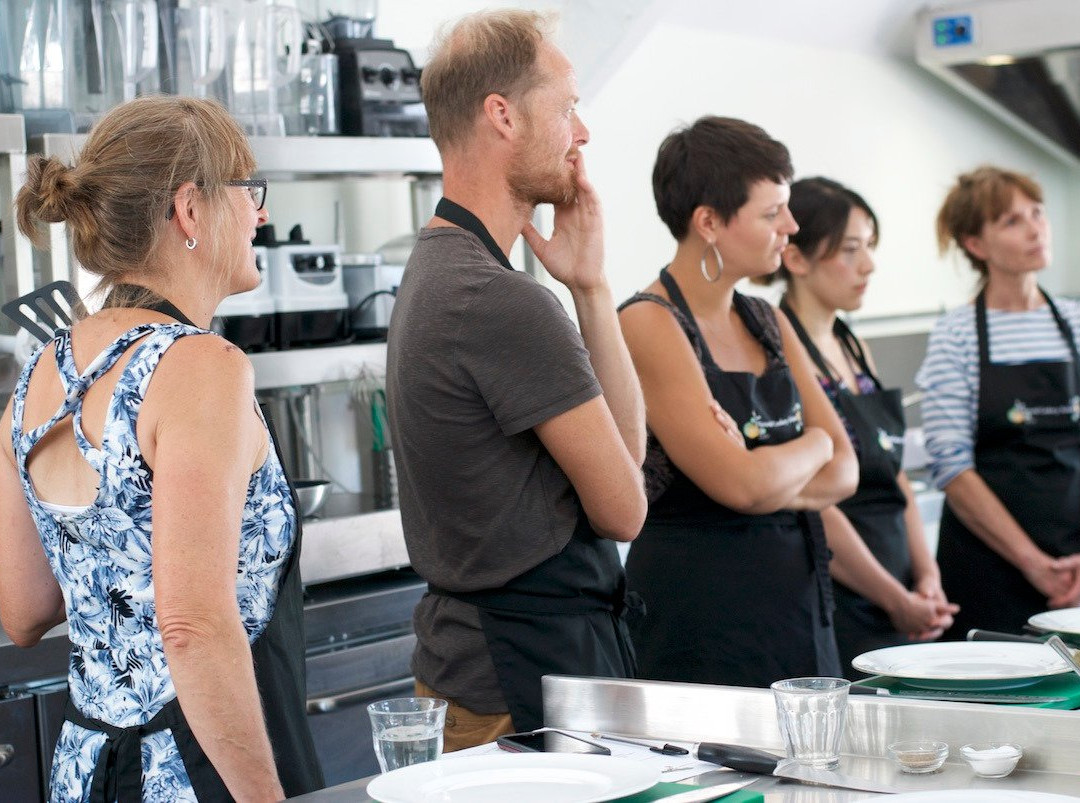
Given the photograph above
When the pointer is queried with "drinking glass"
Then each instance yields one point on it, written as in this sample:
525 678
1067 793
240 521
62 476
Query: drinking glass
407 730
810 713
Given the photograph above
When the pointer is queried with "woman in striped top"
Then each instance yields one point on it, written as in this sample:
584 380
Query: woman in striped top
1001 413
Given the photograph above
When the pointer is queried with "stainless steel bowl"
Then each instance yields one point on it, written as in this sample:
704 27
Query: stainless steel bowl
312 495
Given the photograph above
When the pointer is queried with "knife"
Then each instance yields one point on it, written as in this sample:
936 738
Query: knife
708 793
748 759
945 695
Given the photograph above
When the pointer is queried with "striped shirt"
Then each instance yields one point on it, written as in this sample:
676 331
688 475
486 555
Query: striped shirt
949 376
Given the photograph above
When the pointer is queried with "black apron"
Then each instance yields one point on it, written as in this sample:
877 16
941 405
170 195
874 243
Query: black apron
1027 450
278 658
565 616
876 511
734 598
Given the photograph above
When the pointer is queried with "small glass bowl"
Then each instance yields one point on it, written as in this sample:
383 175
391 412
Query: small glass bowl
919 755
992 759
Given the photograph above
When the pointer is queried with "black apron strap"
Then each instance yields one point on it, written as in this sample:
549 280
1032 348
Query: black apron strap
460 216
804 338
122 295
118 771
679 300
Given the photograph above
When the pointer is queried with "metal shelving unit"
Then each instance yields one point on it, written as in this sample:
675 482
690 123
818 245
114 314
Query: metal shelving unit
278 158
18 254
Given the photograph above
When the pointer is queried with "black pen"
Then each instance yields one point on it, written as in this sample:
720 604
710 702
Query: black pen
666 750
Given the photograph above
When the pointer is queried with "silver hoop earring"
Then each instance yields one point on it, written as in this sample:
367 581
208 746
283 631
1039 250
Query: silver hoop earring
719 263
191 242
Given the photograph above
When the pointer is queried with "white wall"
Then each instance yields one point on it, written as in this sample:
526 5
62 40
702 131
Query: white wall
839 97
893 133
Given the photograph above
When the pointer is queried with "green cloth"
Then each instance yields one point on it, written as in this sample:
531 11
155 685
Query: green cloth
1064 685
662 790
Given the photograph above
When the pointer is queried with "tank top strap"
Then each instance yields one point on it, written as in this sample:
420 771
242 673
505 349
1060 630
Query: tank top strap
123 411
75 385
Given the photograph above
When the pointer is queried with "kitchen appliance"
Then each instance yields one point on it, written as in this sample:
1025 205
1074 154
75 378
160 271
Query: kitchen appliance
193 46
266 45
318 105
1019 59
359 645
306 283
249 319
380 85
66 73
136 40
371 286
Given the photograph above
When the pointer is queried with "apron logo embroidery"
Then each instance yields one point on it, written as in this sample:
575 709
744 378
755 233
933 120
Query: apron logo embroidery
757 428
888 442
1020 414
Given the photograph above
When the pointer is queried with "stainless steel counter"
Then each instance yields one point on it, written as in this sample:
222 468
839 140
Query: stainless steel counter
698 712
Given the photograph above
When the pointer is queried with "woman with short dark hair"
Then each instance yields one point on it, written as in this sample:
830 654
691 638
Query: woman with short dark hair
1001 413
888 588
744 447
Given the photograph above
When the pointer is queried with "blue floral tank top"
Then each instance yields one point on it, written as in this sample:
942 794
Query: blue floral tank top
101 556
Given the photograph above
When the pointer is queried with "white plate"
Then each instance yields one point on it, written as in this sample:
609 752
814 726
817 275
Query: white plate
973 796
1066 620
964 664
520 777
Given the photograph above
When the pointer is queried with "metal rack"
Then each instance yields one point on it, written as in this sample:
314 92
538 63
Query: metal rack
278 158
18 275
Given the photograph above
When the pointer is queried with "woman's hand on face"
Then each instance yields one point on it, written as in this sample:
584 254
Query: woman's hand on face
727 423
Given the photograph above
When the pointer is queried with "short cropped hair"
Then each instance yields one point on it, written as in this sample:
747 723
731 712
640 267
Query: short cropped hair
713 163
978 198
489 52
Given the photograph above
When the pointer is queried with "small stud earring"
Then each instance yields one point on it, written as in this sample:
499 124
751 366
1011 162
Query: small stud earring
191 242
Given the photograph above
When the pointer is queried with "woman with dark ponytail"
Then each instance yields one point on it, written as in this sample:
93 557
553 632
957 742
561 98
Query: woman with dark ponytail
888 588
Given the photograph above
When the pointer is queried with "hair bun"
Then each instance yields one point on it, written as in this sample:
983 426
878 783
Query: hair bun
53 184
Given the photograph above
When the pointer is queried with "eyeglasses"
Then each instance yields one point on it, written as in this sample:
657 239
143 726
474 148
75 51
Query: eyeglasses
256 188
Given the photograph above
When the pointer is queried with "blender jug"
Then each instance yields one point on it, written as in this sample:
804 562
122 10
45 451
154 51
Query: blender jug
193 47
136 28
64 77
266 58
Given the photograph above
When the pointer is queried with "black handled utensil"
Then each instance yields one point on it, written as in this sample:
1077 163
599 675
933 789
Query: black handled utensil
1052 641
749 759
46 308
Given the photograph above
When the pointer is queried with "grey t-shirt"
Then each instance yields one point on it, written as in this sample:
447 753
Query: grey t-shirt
477 356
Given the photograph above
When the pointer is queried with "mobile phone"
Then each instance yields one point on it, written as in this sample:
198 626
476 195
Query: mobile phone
545 741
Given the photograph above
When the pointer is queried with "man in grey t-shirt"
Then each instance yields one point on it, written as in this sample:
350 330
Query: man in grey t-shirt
518 440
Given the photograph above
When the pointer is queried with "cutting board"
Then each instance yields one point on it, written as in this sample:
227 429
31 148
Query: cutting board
662 790
1064 685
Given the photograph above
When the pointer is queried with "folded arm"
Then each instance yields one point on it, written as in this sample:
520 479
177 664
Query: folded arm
680 414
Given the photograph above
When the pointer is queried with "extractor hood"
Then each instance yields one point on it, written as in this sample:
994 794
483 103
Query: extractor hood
1020 59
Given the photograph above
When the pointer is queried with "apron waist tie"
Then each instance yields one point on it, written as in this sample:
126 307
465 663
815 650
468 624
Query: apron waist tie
118 772
509 601
814 532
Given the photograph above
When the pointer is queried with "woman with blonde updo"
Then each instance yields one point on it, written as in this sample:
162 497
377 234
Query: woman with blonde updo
1001 413
140 494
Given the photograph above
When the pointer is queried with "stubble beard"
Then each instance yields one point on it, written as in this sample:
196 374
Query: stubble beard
533 185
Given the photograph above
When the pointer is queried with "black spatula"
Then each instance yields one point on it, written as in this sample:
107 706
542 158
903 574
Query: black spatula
42 308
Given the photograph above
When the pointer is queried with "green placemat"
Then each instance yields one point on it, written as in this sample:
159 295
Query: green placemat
1064 685
662 790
